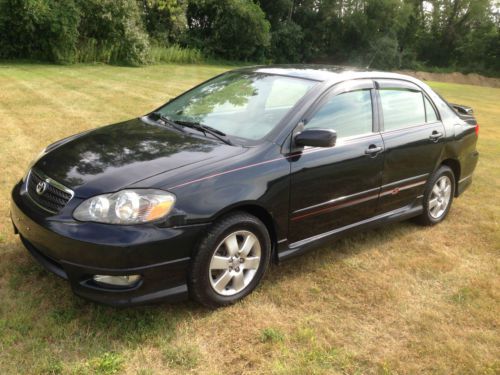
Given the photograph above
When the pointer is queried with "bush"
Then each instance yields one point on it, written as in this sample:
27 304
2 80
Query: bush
113 30
231 29
39 29
73 30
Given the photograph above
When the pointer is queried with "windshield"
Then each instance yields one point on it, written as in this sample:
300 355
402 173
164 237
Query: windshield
244 105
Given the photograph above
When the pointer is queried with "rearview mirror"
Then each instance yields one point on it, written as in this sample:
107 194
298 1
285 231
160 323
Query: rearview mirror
316 138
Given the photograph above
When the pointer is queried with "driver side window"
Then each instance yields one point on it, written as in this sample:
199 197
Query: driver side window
349 114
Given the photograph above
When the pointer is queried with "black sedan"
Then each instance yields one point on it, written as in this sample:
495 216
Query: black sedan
253 166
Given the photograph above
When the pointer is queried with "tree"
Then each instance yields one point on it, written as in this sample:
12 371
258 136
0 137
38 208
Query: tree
231 29
451 21
116 27
165 20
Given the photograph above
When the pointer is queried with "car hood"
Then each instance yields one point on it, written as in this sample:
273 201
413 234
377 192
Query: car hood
113 157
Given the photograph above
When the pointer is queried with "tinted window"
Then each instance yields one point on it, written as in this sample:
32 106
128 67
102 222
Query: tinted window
244 105
285 92
402 108
348 114
429 111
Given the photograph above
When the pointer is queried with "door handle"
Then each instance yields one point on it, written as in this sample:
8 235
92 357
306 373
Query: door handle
373 150
436 136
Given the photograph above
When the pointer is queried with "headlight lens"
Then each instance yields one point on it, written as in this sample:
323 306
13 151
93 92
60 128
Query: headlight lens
131 206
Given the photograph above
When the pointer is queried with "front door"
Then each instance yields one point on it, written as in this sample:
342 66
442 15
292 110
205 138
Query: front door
337 186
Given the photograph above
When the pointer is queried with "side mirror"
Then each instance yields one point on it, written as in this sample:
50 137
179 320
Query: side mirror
316 138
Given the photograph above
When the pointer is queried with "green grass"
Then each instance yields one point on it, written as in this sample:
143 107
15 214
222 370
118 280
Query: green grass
176 55
395 300
271 335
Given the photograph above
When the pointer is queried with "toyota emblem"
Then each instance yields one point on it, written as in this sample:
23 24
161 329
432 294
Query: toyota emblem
41 187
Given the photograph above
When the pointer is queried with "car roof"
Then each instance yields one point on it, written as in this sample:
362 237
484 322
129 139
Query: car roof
324 73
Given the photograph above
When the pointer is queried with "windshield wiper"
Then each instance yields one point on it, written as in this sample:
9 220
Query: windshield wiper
206 129
166 120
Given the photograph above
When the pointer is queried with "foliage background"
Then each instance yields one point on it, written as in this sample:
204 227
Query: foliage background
387 34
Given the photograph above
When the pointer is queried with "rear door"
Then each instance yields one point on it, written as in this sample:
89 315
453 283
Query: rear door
413 136
337 186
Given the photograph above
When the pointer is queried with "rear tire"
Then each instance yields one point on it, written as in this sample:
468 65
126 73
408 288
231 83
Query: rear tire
231 260
438 197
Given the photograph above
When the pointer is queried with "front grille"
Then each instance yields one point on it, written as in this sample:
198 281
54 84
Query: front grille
53 198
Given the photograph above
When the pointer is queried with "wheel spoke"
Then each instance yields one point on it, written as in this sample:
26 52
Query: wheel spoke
447 196
222 281
442 183
247 245
219 263
433 203
238 281
252 263
232 245
435 189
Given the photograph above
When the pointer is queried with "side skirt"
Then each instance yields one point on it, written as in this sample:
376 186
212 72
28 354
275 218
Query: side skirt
299 247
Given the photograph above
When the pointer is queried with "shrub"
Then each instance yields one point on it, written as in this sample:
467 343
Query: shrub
113 30
73 30
39 29
231 29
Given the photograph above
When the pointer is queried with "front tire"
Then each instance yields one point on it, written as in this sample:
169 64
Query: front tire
438 197
231 260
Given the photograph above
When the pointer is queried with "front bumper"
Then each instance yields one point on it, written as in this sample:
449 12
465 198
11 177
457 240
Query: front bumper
76 251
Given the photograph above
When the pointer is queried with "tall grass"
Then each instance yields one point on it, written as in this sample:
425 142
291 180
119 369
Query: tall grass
175 54
90 50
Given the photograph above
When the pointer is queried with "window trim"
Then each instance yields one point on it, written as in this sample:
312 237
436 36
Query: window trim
433 106
342 88
397 84
409 128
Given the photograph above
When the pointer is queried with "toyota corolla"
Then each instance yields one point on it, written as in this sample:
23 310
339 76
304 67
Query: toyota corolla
253 166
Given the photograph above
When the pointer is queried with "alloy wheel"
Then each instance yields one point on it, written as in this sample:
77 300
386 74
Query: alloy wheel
235 262
440 197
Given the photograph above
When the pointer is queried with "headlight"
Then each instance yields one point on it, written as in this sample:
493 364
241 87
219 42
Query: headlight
33 161
131 206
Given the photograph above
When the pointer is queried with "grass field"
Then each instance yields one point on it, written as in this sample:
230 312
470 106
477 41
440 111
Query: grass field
396 300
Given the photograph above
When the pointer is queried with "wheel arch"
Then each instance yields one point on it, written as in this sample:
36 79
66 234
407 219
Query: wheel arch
263 215
454 165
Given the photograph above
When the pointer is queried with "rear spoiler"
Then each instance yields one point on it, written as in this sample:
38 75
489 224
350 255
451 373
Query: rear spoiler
465 113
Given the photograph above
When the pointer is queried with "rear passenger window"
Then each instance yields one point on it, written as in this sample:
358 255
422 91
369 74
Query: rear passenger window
429 111
402 108
349 114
